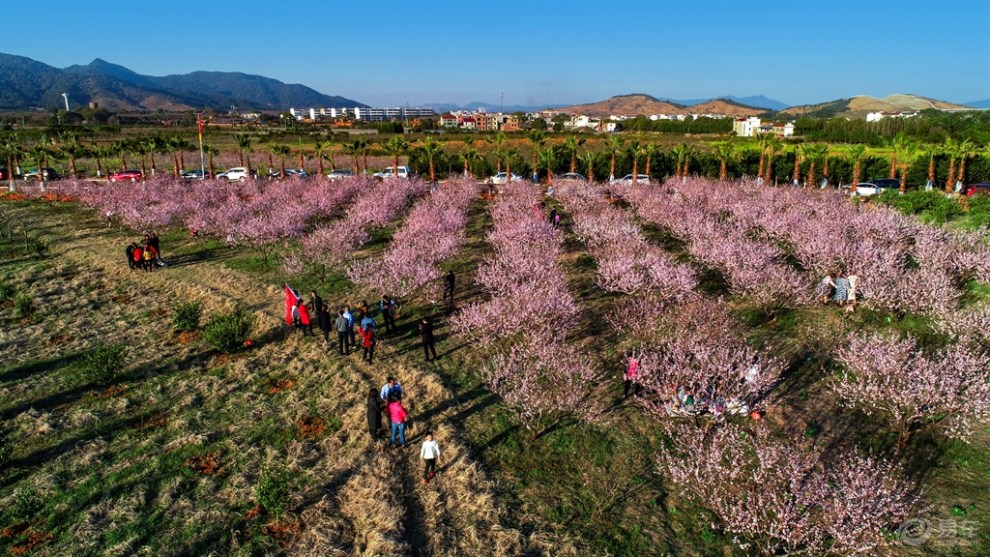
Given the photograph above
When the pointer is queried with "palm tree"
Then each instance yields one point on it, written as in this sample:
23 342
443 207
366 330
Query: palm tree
141 149
470 156
773 148
683 154
244 147
350 149
363 146
899 145
74 150
613 146
395 146
431 149
281 151
951 148
499 142
509 155
210 151
857 153
172 146
99 153
319 151
121 147
10 147
905 150
588 159
724 152
930 151
331 148
538 138
796 175
965 150
763 142
828 151
152 145
814 153
636 150
548 158
182 145
571 145
651 149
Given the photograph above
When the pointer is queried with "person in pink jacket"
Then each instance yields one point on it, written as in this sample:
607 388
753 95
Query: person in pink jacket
397 415
629 378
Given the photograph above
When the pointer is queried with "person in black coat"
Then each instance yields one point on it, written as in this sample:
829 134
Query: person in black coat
429 343
130 255
375 407
325 322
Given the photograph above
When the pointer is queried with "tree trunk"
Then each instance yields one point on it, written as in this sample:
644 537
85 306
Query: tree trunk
210 163
759 172
301 165
931 169
723 170
319 164
247 165
395 165
573 162
144 168
433 174
591 172
123 161
357 165
649 157
10 173
99 167
281 168
903 186
175 165
796 176
182 161
72 166
811 175
769 170
635 170
961 175
508 172
153 169
241 153
856 169
893 166
951 177
611 169
825 170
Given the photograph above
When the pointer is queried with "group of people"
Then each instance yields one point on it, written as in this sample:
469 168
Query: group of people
387 401
147 255
838 288
345 319
692 400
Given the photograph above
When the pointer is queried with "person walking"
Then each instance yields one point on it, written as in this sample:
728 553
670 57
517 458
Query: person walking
552 218
629 378
391 386
350 324
429 343
325 322
375 408
343 339
315 302
448 289
368 342
387 306
430 453
397 415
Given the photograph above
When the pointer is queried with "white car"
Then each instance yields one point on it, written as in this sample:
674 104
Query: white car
236 174
390 173
502 178
627 180
876 187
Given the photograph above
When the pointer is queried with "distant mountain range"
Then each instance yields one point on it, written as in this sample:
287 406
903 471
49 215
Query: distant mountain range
640 104
27 84
978 104
758 101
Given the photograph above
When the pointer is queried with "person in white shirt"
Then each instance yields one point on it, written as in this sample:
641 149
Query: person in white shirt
430 453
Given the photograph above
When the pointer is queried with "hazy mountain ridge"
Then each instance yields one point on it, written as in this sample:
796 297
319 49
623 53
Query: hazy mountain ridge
27 83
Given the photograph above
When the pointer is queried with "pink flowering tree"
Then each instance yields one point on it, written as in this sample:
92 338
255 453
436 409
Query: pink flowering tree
778 498
887 376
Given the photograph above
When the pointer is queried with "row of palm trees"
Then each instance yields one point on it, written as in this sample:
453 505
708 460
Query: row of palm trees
545 156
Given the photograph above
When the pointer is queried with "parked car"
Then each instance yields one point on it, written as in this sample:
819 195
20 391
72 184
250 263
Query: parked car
340 173
391 173
126 176
501 178
981 188
876 187
236 174
3 173
194 174
37 174
627 180
572 176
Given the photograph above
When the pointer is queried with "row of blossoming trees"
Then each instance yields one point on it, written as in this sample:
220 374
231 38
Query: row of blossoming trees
777 494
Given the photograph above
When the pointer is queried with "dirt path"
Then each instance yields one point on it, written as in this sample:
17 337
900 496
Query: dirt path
364 502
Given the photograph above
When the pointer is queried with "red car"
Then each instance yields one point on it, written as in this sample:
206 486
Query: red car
126 176
975 189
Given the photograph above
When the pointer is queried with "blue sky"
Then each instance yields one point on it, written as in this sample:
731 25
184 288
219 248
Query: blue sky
537 52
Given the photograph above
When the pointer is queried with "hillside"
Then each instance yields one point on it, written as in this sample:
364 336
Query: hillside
639 104
27 84
859 106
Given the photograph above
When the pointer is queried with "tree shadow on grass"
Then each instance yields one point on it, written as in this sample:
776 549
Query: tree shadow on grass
38 367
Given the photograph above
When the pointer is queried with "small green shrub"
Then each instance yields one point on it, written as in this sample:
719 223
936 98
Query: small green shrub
272 490
24 305
979 210
7 291
228 332
187 315
931 206
26 505
101 364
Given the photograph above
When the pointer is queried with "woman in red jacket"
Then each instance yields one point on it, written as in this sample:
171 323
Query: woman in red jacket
368 341
304 322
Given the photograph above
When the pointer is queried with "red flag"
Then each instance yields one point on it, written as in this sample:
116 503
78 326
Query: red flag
291 298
